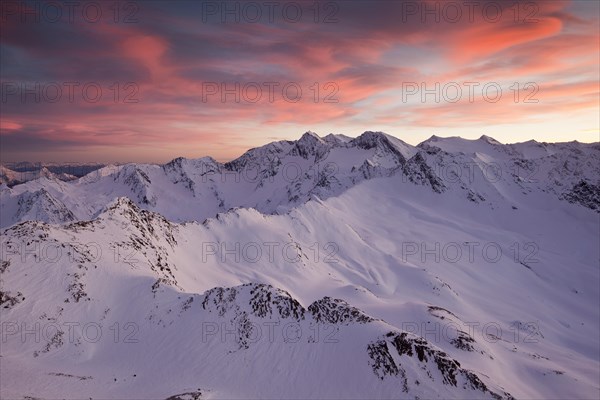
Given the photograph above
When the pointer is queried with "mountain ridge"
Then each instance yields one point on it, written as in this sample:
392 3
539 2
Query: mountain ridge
281 175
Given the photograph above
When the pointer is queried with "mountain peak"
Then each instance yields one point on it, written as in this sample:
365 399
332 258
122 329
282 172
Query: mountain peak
381 140
310 144
336 139
370 139
310 135
488 139
373 134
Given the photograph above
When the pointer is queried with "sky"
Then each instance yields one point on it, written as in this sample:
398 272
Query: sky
149 81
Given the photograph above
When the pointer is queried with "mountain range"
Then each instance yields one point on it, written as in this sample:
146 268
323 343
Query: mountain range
326 267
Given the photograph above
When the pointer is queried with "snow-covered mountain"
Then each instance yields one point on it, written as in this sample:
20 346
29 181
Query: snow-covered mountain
279 176
320 268
11 178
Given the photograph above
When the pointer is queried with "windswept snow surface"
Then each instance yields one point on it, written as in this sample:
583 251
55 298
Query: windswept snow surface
322 268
